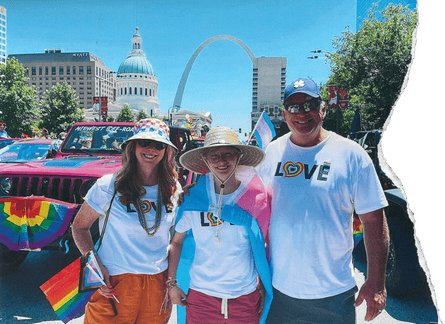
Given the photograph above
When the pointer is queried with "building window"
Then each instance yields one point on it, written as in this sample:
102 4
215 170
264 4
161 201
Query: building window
88 69
140 91
135 90
81 69
130 90
125 91
145 91
53 70
60 70
68 70
40 70
33 70
74 69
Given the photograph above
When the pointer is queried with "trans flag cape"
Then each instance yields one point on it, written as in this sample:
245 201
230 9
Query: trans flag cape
33 222
251 209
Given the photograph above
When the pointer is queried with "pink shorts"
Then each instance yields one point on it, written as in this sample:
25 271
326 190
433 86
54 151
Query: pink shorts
140 299
202 308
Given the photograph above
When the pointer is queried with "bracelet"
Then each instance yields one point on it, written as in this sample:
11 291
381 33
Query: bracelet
170 283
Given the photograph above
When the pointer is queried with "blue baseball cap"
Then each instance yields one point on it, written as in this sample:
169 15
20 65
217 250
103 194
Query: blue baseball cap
306 86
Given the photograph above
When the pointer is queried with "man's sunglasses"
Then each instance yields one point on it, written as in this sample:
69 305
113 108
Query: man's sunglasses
146 142
307 106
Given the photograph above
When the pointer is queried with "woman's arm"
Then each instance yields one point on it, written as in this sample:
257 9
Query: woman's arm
82 236
175 293
81 227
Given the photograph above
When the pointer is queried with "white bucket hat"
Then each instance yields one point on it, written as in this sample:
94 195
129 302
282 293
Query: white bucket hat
151 129
218 137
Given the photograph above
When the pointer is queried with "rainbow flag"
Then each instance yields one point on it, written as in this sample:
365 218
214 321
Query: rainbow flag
357 231
33 222
264 131
62 292
92 277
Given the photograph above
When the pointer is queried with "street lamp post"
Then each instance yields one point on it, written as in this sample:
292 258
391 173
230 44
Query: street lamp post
314 57
175 108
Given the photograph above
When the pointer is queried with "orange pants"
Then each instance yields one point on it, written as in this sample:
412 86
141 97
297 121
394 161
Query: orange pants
140 299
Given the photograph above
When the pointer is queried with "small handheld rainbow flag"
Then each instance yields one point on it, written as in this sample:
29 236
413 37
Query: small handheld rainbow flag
357 231
62 292
91 278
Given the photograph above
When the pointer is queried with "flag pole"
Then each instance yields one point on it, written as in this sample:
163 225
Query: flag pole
254 129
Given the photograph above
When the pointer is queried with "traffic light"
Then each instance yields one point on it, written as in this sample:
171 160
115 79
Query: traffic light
240 131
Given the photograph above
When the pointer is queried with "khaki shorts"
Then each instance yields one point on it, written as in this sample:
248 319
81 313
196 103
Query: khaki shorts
140 298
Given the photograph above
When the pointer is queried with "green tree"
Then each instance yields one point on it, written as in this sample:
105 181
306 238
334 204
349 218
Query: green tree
142 115
18 103
372 63
125 115
59 109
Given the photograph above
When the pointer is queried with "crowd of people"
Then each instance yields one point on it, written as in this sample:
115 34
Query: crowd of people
271 231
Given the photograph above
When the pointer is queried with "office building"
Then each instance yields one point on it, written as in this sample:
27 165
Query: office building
83 71
268 85
2 35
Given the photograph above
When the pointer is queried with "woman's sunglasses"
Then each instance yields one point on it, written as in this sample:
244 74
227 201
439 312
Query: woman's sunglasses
146 142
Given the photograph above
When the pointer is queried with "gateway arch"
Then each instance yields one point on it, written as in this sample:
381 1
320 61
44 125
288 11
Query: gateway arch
178 98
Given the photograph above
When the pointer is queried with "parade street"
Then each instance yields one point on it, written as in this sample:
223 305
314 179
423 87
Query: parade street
21 300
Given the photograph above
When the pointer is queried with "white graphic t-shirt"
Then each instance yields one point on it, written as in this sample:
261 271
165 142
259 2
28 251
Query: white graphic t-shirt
126 247
315 192
224 270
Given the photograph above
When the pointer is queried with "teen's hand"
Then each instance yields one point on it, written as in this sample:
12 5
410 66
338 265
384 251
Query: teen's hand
177 296
185 191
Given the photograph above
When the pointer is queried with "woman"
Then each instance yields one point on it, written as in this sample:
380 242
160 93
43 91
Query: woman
228 214
133 252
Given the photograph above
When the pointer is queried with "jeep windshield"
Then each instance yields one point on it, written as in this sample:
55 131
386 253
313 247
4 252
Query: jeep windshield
91 139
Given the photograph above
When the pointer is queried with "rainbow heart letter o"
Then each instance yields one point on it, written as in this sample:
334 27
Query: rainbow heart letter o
292 169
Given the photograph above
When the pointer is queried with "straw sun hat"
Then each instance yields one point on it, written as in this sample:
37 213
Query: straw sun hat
220 137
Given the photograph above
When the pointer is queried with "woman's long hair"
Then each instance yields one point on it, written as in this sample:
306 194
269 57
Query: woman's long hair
129 184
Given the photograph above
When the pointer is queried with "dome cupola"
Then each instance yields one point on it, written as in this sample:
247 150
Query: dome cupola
136 62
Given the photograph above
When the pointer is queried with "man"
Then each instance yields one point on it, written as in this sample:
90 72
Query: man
318 179
3 132
45 133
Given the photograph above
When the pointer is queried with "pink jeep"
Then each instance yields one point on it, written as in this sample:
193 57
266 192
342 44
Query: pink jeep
89 151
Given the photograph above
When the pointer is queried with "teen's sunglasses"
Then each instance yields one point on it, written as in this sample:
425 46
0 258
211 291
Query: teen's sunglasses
307 106
146 142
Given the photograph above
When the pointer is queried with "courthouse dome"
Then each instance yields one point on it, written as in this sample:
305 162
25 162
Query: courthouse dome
136 62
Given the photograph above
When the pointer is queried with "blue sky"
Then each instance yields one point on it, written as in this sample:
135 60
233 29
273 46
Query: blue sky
220 80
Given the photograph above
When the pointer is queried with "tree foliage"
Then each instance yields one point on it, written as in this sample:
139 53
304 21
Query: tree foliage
372 63
59 109
142 115
125 115
18 103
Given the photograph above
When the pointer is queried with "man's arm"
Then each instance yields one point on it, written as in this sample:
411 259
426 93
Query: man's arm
376 239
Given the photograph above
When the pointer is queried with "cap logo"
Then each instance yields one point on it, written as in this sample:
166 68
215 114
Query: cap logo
299 84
